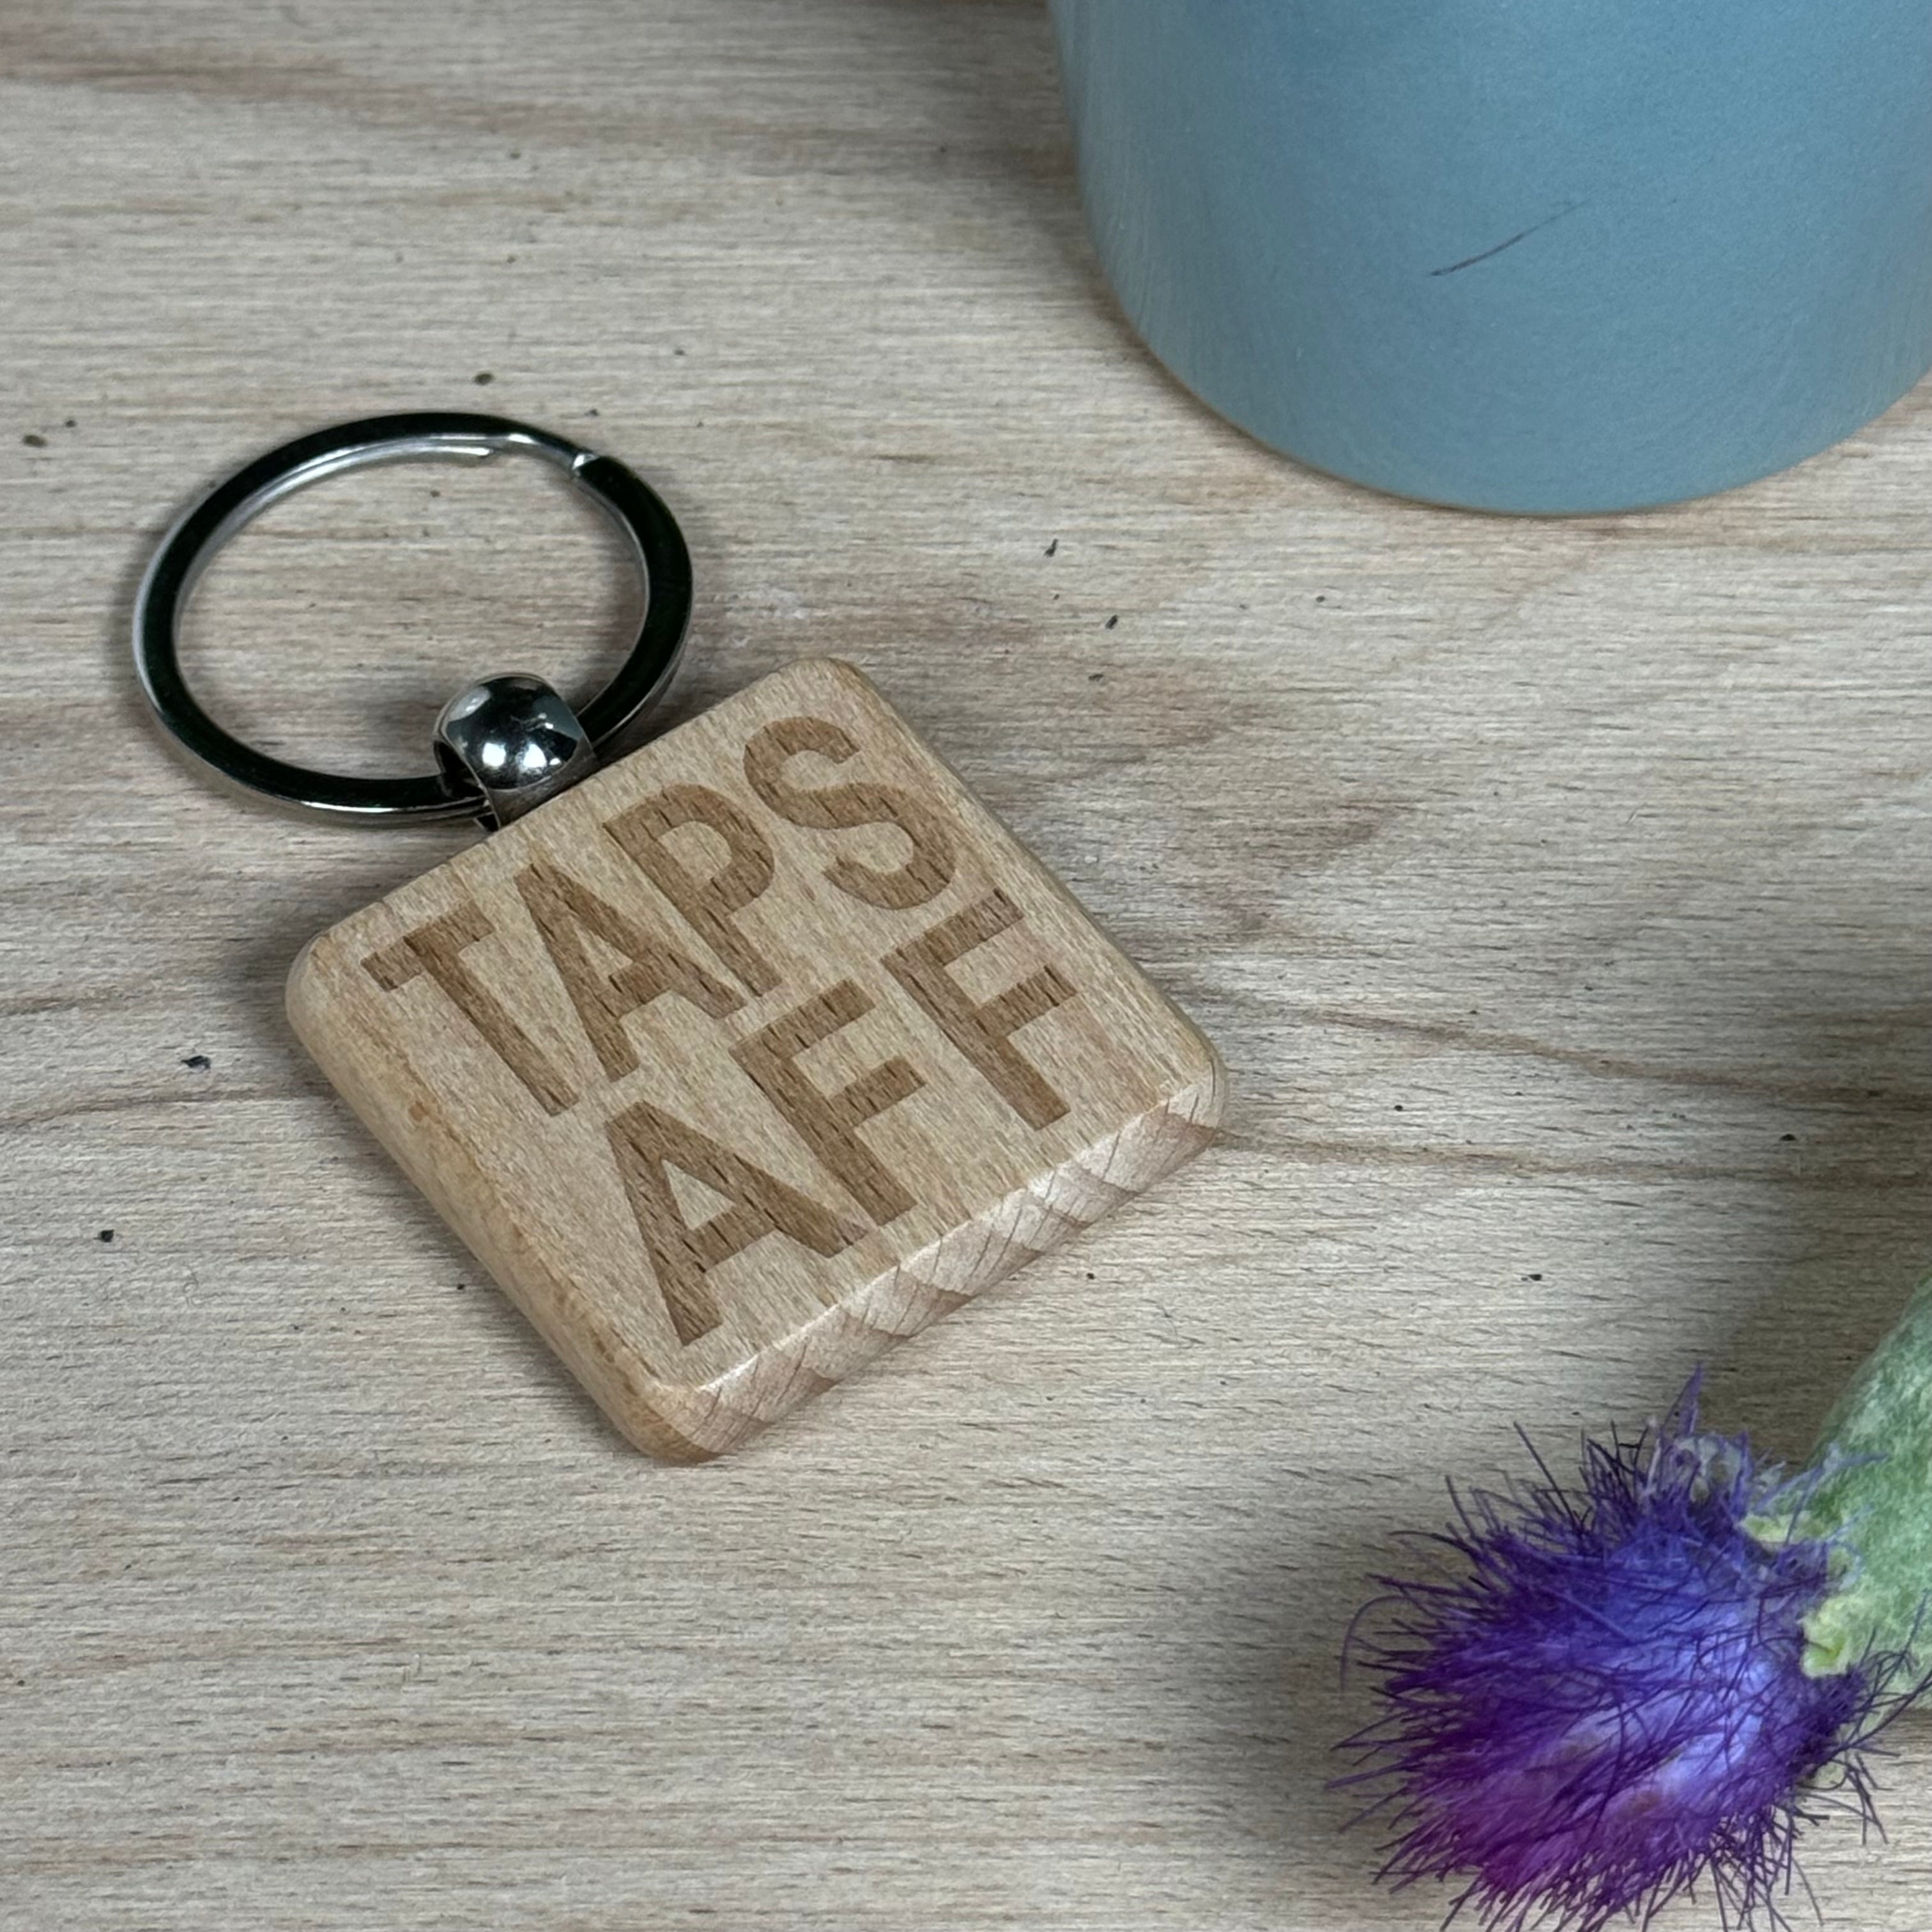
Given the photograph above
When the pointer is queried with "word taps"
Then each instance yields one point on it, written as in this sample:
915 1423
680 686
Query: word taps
758 1049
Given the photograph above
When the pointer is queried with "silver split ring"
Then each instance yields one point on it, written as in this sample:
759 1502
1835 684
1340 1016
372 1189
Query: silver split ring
503 745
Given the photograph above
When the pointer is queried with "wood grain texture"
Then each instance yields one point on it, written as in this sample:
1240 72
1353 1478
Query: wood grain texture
931 1068
1559 894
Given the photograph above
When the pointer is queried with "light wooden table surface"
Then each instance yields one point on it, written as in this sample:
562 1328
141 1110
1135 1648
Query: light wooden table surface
1560 895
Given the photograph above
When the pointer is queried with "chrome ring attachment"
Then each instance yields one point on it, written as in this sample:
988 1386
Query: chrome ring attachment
504 744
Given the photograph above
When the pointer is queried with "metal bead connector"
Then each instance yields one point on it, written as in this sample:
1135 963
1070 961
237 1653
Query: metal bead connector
517 740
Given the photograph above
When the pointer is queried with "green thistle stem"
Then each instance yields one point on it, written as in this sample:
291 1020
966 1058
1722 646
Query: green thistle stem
1874 1500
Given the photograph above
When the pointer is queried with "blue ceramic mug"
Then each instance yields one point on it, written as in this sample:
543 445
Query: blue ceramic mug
1531 255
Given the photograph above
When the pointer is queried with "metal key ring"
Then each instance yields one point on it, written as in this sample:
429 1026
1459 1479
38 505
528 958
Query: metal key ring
656 544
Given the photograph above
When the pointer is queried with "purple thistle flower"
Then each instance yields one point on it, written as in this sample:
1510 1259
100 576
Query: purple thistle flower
1598 1699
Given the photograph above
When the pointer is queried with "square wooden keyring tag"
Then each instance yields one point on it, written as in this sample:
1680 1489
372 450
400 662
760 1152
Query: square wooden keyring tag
751 1052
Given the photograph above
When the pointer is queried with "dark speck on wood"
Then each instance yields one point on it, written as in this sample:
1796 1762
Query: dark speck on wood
106 1234
197 1062
34 442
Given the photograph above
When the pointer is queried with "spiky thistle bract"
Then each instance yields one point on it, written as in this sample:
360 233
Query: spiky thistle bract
1598 1696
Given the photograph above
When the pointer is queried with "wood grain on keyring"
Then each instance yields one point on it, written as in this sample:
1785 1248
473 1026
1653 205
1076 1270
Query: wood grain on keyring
762 1048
